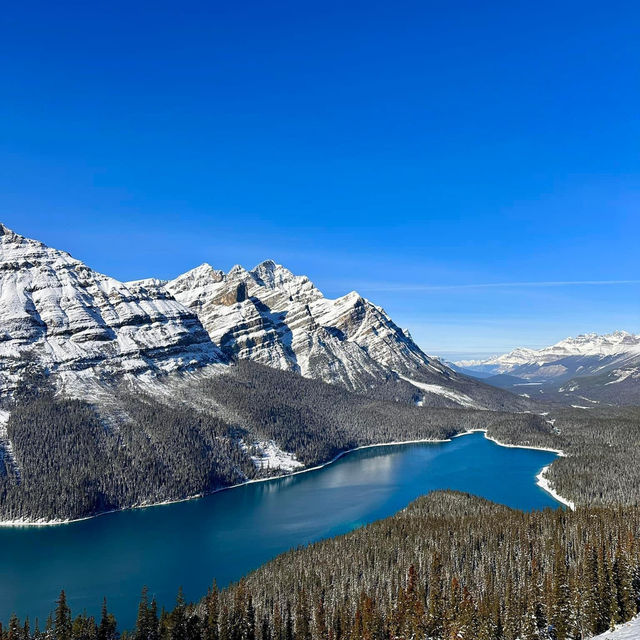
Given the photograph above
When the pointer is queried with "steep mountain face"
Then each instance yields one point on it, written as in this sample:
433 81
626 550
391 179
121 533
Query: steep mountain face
57 312
89 330
276 318
584 371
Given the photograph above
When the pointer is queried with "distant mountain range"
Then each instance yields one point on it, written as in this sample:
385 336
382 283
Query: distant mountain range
586 370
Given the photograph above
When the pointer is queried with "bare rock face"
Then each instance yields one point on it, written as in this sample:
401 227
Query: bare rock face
230 297
274 317
58 312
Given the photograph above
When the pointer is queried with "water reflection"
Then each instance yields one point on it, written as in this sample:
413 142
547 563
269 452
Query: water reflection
227 534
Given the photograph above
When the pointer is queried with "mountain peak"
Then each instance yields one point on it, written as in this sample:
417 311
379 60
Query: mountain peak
8 235
272 316
201 273
597 342
76 319
268 265
582 355
236 270
273 274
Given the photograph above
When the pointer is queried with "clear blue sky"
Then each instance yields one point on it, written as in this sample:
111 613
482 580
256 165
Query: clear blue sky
404 149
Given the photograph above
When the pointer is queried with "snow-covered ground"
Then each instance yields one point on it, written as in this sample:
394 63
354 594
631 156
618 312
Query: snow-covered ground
543 483
627 631
622 374
449 394
270 456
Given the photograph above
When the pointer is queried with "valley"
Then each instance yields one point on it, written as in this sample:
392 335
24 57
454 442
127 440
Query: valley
584 371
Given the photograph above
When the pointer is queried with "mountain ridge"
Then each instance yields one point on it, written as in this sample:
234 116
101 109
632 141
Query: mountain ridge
590 368
87 328
57 310
587 344
274 317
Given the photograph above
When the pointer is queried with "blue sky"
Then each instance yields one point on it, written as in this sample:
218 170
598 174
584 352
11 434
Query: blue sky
412 151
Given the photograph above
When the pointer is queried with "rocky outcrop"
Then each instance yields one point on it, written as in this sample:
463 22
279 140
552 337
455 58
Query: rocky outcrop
56 311
274 317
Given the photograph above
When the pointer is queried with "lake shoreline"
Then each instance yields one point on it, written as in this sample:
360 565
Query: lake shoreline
541 481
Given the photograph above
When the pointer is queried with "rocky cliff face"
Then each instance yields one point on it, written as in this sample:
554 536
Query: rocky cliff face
274 317
86 327
59 313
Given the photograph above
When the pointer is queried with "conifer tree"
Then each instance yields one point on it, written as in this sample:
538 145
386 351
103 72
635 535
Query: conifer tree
15 632
302 627
178 618
63 619
142 631
436 609
108 627
211 604
623 581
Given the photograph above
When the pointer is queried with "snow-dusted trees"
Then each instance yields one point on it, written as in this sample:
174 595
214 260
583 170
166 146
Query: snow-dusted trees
456 566
71 458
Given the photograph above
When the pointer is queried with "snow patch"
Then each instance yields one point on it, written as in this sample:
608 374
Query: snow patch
627 631
543 483
268 455
622 374
450 394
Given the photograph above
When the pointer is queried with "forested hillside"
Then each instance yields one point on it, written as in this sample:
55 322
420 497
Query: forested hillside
71 458
316 420
67 463
451 566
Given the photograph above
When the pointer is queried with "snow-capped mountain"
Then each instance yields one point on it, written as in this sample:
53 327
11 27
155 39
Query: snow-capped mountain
274 317
88 328
584 371
156 390
584 355
58 312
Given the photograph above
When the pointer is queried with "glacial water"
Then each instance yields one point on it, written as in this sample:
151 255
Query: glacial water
225 535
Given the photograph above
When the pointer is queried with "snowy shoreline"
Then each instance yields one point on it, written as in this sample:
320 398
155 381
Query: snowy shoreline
541 481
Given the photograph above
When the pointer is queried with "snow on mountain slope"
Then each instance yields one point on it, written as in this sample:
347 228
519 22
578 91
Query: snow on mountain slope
590 368
88 328
626 631
56 311
584 355
274 317
436 389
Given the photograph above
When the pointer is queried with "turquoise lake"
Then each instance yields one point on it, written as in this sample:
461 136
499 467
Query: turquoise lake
225 535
